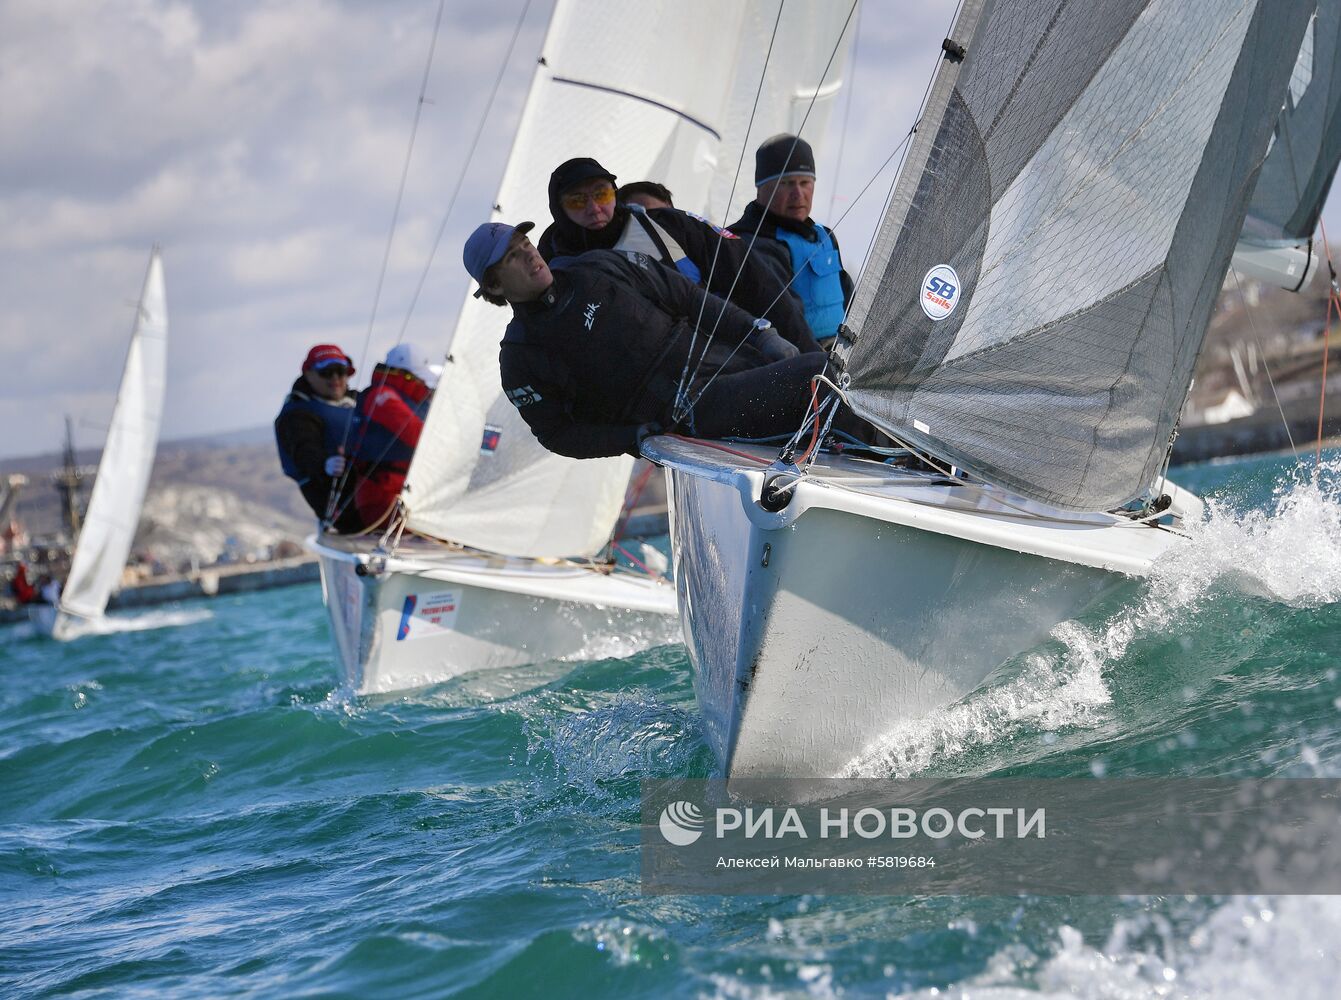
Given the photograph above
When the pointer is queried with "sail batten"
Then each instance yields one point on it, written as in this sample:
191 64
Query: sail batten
1089 172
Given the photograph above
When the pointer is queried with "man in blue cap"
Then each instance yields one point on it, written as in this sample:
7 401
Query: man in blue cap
594 356
784 180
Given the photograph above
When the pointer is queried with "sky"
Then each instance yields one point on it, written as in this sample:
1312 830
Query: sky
261 144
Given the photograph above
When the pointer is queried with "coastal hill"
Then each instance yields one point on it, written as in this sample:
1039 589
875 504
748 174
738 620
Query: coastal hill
219 496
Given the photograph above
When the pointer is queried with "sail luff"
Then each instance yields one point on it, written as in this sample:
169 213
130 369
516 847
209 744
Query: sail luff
127 458
1089 176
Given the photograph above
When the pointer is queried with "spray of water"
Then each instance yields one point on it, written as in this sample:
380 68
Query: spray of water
1287 551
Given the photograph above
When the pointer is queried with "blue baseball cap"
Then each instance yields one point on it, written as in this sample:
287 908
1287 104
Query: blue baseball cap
487 245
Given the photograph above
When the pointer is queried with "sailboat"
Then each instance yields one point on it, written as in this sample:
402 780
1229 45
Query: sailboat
493 558
1027 323
108 528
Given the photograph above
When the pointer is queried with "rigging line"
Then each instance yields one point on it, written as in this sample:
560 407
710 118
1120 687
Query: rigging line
838 44
465 166
1266 367
391 231
905 145
735 180
847 113
484 117
1332 303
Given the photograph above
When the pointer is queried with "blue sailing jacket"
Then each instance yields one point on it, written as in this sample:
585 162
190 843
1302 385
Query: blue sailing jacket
818 281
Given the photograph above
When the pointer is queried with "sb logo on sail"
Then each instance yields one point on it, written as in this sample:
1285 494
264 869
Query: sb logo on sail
940 292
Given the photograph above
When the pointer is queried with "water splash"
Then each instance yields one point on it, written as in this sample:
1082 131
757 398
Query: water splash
78 628
1288 552
1247 948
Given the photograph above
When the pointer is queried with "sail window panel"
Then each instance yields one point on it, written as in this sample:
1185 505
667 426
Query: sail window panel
1107 189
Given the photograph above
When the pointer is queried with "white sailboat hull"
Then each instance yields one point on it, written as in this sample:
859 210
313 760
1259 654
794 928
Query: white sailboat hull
428 614
814 631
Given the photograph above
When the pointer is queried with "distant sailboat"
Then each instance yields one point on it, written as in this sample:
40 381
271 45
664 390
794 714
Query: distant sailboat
1028 321
496 564
113 513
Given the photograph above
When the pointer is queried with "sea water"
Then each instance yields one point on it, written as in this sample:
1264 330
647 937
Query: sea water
190 806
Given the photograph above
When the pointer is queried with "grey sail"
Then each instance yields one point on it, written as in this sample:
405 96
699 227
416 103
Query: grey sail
1039 288
1299 167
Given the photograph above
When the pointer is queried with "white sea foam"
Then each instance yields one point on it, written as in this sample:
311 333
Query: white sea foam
138 622
1289 553
1247 948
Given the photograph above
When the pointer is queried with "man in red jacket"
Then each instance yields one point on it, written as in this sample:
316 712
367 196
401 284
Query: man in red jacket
391 414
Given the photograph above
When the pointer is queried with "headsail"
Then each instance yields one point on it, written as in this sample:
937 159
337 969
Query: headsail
127 458
1070 205
648 91
1299 167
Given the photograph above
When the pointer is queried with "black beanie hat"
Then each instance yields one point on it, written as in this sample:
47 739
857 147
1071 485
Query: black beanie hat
570 173
566 236
780 155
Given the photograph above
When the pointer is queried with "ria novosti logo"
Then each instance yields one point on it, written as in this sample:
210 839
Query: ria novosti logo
681 823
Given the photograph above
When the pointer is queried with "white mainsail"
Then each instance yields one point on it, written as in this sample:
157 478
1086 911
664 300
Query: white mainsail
127 458
659 93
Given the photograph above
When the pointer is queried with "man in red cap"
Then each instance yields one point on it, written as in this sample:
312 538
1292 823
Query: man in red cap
312 430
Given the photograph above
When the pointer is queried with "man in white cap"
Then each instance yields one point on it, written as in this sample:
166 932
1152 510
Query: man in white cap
784 181
391 414
595 353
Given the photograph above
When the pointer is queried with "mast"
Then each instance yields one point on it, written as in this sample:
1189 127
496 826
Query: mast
68 482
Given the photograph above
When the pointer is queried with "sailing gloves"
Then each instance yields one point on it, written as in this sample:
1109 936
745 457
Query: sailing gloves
770 343
335 465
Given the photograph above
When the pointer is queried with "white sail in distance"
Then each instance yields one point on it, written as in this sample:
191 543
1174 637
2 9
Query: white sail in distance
127 458
652 92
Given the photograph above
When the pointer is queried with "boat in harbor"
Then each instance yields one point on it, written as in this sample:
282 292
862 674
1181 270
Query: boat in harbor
107 528
1026 326
498 553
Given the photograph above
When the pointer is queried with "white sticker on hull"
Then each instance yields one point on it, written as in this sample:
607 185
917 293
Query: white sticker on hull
426 615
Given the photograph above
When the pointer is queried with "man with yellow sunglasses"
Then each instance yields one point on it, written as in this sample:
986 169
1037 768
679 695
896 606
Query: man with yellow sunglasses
588 216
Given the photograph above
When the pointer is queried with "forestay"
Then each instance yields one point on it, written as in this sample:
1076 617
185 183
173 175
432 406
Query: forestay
127 458
1299 167
1042 280
650 91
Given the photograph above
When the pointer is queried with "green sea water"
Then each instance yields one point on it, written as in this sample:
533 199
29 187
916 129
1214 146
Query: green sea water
189 806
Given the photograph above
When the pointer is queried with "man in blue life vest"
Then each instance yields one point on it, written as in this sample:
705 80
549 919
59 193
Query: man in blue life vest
784 180
589 216
391 415
313 429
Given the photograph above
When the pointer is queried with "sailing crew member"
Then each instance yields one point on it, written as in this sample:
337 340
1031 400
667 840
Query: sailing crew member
588 216
648 194
391 415
312 429
594 354
784 181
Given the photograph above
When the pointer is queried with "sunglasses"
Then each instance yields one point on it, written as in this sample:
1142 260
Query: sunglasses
334 371
577 200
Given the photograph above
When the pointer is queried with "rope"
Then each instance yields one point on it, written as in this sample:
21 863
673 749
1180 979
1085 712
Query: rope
1252 324
1333 304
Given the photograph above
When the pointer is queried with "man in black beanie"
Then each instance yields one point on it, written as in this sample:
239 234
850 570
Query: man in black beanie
784 181
587 216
